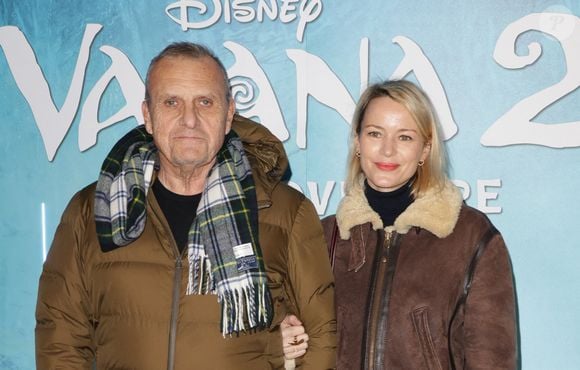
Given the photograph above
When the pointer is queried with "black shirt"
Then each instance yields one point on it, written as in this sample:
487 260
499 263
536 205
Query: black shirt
389 205
179 210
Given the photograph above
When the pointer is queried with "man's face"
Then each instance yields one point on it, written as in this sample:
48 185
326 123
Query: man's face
188 113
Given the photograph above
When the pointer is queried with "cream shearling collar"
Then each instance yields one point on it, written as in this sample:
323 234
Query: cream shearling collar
435 211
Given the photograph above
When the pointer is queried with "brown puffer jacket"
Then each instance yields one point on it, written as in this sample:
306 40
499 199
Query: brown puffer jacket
114 308
397 289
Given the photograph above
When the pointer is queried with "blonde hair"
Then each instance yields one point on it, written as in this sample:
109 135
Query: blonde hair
433 173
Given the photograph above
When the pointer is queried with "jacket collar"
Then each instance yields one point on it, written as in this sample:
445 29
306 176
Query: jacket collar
266 154
435 210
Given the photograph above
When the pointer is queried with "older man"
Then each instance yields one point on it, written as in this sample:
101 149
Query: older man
189 251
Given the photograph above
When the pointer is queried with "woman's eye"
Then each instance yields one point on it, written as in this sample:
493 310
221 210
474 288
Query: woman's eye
374 133
406 138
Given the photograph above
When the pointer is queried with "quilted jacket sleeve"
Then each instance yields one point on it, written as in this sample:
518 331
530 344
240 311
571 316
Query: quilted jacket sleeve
62 333
312 284
490 317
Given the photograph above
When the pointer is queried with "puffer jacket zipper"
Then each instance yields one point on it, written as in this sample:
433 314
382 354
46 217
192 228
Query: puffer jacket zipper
177 277
174 308
175 299
383 271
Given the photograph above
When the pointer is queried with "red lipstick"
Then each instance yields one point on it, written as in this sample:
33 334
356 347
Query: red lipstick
386 166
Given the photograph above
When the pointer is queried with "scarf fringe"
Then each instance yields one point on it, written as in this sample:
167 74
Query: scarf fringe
238 313
200 280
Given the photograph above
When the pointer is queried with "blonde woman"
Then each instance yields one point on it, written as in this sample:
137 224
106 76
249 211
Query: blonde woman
422 280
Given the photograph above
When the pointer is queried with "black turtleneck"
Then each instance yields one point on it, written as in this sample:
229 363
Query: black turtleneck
389 205
179 210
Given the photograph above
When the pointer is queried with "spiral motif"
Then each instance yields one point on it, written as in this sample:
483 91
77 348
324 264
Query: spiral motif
245 92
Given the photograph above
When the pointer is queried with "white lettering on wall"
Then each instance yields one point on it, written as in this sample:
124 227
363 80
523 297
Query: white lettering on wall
464 187
245 11
363 62
315 78
330 192
483 195
52 123
320 203
516 126
251 88
417 62
253 92
132 88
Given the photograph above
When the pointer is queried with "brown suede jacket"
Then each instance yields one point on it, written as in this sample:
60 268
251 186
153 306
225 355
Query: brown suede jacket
397 288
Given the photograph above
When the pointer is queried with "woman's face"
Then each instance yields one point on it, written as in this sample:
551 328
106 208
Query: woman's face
390 145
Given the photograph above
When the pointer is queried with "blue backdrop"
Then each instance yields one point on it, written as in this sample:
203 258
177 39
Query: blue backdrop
503 76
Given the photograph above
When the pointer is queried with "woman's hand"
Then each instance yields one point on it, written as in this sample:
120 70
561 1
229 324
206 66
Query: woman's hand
294 339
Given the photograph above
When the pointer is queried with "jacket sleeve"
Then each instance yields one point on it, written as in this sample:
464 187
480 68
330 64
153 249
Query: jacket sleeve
312 285
63 332
490 312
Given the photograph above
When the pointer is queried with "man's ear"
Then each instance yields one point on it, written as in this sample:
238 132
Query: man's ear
230 116
147 117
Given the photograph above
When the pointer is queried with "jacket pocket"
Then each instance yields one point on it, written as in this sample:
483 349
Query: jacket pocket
420 318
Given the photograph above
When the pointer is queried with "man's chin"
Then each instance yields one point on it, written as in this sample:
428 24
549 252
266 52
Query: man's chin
191 162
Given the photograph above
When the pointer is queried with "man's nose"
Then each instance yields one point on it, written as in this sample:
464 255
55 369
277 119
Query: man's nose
190 115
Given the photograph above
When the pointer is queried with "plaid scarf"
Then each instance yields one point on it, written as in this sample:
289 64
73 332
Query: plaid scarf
223 248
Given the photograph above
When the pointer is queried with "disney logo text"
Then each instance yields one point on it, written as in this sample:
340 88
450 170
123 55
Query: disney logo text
246 11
